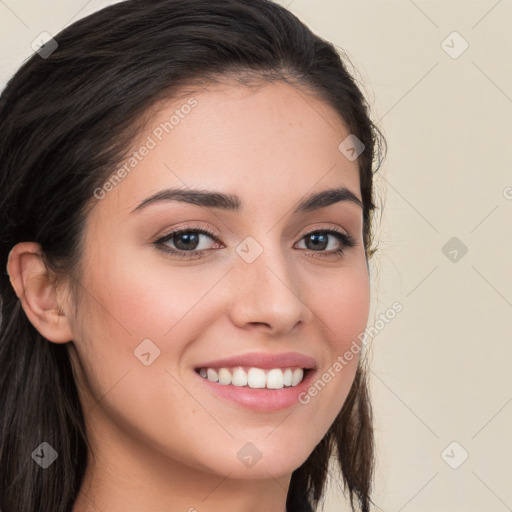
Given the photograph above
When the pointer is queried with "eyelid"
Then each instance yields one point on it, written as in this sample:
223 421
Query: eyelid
325 227
188 227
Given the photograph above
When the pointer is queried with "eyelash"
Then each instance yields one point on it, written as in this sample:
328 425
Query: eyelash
345 239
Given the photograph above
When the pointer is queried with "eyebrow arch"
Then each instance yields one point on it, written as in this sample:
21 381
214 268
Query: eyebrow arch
230 202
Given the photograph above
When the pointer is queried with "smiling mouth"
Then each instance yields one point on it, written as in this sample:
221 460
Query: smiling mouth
255 378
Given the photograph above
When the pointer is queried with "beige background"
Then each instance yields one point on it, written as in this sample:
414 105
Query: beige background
441 368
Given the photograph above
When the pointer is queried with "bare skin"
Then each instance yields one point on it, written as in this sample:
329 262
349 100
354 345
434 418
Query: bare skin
161 441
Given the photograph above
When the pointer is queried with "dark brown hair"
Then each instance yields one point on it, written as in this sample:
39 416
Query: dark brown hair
66 121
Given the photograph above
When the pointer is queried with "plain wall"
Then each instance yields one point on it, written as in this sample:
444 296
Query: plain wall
440 368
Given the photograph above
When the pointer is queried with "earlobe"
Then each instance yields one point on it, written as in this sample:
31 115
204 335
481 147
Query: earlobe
32 283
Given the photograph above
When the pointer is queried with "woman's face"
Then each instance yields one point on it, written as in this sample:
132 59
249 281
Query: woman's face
151 314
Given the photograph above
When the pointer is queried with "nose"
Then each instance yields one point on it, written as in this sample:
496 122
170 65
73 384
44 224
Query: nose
268 293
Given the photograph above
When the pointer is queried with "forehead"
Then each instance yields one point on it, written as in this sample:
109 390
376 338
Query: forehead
265 144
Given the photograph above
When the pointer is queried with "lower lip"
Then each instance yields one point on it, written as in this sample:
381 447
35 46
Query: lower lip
261 399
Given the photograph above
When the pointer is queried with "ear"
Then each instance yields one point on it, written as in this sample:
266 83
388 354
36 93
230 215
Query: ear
31 280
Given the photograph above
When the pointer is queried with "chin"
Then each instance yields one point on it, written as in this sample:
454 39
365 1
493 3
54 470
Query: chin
246 460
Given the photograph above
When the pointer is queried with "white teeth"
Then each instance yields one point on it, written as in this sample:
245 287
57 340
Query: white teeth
239 378
255 378
275 379
224 376
297 376
212 375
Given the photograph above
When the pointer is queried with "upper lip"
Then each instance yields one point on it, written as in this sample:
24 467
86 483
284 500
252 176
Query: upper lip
263 360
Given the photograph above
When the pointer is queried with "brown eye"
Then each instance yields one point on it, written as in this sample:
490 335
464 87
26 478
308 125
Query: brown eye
183 241
318 241
186 240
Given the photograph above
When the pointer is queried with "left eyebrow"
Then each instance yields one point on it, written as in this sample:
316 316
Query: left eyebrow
326 198
230 202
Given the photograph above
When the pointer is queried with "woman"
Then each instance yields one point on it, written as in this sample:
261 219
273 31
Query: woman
186 222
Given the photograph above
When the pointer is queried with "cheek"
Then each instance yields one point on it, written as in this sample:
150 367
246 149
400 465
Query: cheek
139 298
348 309
342 310
343 305
132 308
